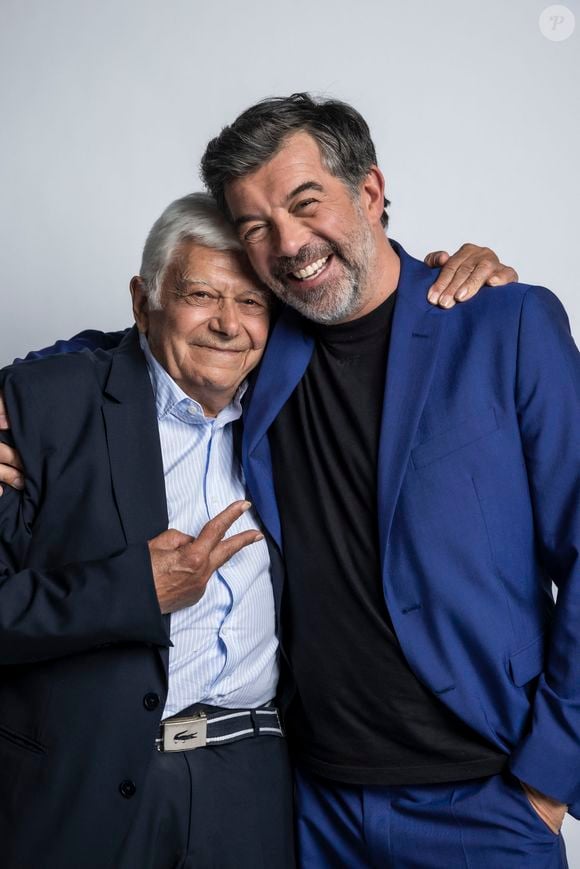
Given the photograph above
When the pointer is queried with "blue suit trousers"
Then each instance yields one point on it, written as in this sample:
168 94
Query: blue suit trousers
486 823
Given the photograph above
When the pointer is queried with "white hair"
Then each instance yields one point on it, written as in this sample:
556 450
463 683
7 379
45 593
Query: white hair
195 217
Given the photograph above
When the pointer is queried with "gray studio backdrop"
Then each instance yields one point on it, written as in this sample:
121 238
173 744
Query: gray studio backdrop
105 109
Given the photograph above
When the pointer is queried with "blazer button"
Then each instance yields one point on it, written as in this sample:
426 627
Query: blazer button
127 788
151 701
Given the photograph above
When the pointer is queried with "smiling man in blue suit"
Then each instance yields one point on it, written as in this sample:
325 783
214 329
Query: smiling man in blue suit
419 470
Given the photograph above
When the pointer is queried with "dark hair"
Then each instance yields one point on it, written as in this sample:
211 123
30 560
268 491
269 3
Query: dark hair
342 135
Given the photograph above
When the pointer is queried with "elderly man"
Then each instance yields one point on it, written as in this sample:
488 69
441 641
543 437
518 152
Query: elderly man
425 495
119 654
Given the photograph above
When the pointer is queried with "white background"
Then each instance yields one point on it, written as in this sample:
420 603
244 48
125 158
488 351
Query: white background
105 108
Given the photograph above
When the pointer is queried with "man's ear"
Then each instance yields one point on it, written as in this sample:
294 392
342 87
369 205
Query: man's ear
140 303
373 194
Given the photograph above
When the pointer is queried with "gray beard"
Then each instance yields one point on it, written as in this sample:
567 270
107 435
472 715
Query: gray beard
316 305
331 304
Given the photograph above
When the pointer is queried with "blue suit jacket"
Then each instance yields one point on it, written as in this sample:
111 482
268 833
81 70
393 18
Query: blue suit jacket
478 506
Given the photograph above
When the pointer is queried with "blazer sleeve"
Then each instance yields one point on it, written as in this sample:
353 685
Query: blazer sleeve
548 403
89 339
49 613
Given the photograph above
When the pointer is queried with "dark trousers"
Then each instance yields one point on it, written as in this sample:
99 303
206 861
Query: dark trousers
484 824
220 807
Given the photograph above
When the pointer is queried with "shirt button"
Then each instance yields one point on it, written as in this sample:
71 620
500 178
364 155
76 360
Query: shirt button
151 701
127 788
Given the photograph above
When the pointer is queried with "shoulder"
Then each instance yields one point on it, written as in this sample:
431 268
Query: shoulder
496 302
51 400
491 309
74 373
545 342
503 308
508 332
541 305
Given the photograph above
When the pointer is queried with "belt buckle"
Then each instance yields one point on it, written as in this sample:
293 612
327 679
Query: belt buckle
185 734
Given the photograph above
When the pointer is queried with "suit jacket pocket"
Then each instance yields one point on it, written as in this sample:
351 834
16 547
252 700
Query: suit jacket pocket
20 740
527 663
471 429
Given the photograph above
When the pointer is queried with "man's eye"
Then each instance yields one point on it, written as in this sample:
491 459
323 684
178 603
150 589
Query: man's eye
255 233
197 297
254 307
255 304
305 203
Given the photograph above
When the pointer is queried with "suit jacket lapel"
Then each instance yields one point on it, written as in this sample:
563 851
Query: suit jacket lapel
133 441
412 355
134 448
286 358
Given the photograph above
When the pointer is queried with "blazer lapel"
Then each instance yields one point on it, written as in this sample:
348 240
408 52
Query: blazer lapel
286 358
134 449
133 441
412 356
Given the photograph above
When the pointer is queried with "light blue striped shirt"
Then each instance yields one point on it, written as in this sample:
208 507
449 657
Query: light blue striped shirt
224 647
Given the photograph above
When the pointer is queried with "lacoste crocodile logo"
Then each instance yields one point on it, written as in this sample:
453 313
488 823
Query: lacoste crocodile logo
184 735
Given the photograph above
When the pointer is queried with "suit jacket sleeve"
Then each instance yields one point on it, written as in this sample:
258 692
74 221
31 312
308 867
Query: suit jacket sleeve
48 613
548 403
89 339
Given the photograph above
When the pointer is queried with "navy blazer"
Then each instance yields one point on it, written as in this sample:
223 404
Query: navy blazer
82 639
478 507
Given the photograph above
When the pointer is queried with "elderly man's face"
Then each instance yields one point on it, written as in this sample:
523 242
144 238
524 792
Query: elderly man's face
213 326
306 234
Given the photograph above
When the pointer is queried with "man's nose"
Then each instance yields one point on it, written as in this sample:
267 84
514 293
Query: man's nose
226 318
290 235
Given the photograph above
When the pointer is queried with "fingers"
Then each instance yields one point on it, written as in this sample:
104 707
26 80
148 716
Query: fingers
10 464
10 468
503 275
4 421
550 811
466 272
181 573
449 282
457 280
454 264
436 259
197 550
9 456
211 547
11 476
228 548
466 283
214 530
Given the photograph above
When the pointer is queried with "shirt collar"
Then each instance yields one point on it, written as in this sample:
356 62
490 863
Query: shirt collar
171 399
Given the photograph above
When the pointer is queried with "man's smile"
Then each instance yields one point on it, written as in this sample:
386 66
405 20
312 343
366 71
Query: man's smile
310 267
232 350
312 270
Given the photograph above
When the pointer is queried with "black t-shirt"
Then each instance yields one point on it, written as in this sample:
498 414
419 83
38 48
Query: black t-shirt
360 715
